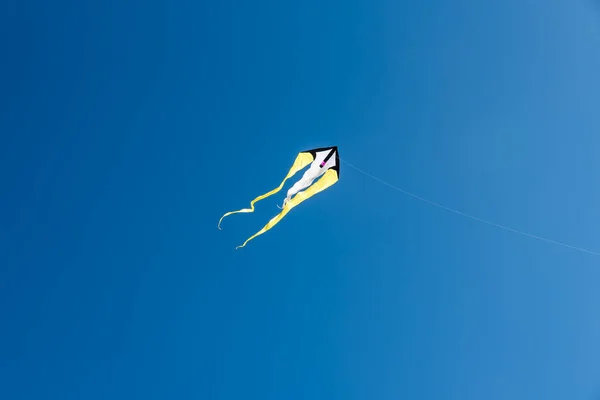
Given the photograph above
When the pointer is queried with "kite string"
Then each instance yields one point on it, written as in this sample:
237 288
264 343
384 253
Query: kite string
481 220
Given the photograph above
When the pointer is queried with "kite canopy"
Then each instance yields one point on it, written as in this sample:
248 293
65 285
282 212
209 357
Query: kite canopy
324 162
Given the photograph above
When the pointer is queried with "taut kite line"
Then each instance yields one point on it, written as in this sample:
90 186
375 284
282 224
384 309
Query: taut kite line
324 162
463 214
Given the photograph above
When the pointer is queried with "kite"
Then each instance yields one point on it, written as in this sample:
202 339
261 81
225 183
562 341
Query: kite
324 162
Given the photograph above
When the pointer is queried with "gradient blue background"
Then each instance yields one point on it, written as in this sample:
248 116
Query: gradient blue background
129 127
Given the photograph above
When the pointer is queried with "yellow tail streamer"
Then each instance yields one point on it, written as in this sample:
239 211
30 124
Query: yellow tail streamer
302 160
329 178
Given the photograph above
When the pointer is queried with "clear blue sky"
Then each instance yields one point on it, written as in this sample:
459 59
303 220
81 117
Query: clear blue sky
129 127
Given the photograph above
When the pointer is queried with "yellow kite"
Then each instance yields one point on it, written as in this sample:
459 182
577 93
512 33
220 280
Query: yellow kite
323 162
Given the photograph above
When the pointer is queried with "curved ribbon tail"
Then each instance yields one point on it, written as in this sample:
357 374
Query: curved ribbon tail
328 179
302 160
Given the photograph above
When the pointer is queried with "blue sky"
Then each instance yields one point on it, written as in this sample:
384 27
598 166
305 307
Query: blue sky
128 128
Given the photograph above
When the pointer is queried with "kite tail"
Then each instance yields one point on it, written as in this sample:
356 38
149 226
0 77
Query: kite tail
329 178
302 160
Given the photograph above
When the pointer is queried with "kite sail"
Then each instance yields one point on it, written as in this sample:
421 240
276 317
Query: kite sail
324 162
